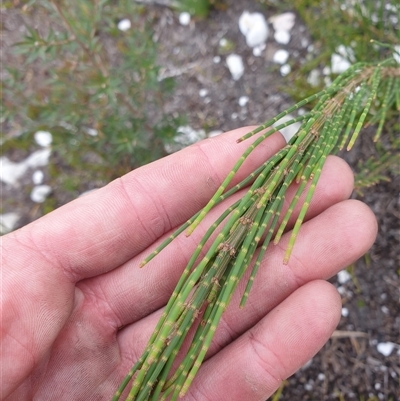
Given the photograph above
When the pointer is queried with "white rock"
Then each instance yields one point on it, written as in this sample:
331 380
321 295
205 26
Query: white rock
11 172
257 50
346 52
254 27
223 42
321 376
281 56
283 22
43 138
285 70
345 312
396 53
282 37
385 309
327 81
216 59
243 100
314 78
326 70
385 348
124 24
185 136
339 64
8 222
203 92
39 158
184 18
290 130
343 276
37 177
189 135
235 66
39 193
92 131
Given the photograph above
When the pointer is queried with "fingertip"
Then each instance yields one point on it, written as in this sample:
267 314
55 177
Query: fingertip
336 182
359 226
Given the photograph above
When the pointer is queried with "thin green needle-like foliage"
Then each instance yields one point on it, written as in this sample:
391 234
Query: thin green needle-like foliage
243 232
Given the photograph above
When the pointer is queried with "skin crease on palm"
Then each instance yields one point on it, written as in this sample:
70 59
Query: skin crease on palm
77 310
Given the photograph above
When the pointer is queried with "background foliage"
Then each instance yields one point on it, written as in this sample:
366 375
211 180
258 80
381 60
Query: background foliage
92 85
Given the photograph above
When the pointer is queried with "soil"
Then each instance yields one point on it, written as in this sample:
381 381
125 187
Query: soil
349 367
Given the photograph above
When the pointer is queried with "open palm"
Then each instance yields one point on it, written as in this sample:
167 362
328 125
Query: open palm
77 310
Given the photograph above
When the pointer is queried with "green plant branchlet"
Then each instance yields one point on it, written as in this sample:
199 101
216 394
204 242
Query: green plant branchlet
252 222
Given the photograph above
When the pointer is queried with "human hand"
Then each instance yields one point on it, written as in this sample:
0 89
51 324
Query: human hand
77 311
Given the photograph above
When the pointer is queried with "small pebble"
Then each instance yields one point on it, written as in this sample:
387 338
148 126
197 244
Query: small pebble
343 276
223 42
304 42
326 70
8 221
92 131
282 37
314 78
285 70
43 138
385 309
39 193
124 24
339 64
385 348
345 312
257 50
283 22
243 100
254 27
281 56
37 177
216 59
321 376
203 92
235 66
184 18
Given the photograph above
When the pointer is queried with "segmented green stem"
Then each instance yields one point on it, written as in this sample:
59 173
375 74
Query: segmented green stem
375 79
384 107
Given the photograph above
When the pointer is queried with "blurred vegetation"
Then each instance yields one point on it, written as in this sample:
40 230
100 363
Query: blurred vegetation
92 85
95 87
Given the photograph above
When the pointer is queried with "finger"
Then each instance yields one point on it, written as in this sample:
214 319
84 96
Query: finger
102 230
151 286
252 367
321 251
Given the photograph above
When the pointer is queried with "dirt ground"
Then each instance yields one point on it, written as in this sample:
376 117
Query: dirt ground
350 366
